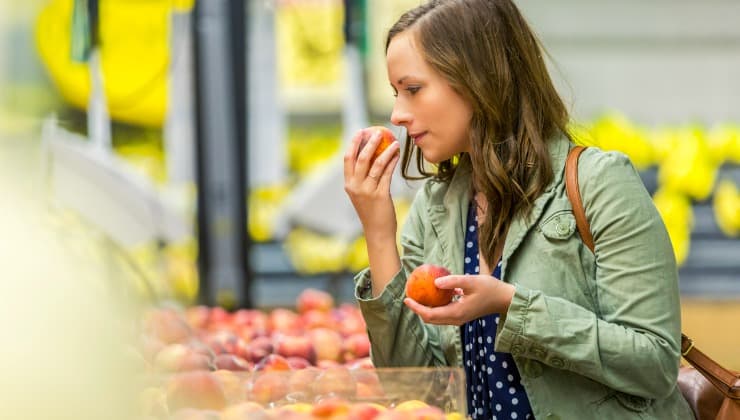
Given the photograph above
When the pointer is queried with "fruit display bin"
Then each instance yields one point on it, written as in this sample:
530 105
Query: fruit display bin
320 393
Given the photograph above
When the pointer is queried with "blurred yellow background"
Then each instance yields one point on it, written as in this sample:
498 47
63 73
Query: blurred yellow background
71 293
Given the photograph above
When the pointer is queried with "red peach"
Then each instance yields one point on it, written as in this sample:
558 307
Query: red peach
420 286
330 407
196 361
355 347
284 321
197 316
219 316
314 318
295 346
179 357
327 364
297 363
200 347
314 299
301 380
295 411
365 411
269 387
272 362
233 386
327 343
386 139
362 363
259 348
222 341
352 325
368 384
248 332
335 381
169 358
254 318
196 389
166 325
366 391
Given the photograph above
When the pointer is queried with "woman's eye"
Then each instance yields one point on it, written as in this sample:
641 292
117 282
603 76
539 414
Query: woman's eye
413 89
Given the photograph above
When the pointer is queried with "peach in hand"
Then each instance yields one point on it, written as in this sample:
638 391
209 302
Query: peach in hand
421 288
386 139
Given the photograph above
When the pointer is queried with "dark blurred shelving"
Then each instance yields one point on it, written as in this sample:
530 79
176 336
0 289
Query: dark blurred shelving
712 268
277 283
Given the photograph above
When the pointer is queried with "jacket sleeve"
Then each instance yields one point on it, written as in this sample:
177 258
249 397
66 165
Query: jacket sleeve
631 343
398 336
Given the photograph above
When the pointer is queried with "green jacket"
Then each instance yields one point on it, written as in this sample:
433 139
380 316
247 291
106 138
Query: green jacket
594 335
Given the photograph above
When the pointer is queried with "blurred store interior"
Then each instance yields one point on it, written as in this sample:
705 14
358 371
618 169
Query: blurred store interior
172 154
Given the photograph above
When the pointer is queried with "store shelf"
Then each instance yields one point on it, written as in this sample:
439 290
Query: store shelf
278 284
712 268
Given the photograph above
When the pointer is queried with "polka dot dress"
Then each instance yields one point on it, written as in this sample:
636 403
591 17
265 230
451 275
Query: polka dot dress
493 381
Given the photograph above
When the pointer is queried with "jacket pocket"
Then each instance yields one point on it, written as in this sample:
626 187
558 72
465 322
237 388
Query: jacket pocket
559 226
621 405
633 402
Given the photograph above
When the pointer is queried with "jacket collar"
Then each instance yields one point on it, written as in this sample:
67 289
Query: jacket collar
449 208
558 148
448 214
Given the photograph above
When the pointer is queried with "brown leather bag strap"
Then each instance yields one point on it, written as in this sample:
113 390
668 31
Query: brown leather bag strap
574 195
725 381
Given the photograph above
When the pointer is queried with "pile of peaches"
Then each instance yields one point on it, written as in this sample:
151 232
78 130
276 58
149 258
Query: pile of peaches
304 364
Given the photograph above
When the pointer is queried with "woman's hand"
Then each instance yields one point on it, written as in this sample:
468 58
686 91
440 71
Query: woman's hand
476 296
367 183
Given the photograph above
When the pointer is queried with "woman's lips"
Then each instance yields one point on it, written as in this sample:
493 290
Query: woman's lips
417 137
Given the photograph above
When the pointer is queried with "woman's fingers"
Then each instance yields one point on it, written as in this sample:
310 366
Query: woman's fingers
362 167
455 281
350 155
441 315
387 160
364 158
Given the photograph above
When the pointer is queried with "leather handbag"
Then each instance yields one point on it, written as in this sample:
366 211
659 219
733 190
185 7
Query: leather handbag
712 391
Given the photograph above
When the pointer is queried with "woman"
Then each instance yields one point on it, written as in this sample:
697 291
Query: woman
548 330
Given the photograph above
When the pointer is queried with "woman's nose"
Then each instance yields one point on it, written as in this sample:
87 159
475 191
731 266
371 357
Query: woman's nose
399 115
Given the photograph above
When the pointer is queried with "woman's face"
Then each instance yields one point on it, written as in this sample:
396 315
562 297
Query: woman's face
436 117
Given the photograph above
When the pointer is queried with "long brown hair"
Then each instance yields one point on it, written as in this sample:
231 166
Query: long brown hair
489 55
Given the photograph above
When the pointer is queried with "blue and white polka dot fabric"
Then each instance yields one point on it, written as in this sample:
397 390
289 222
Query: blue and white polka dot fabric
494 388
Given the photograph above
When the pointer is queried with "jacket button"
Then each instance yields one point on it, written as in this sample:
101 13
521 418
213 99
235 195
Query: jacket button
561 228
517 349
533 369
557 363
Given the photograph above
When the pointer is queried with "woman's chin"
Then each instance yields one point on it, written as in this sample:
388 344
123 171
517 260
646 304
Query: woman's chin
434 159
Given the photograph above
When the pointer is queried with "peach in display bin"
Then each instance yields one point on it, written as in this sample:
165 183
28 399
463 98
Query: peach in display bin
427 390
335 392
